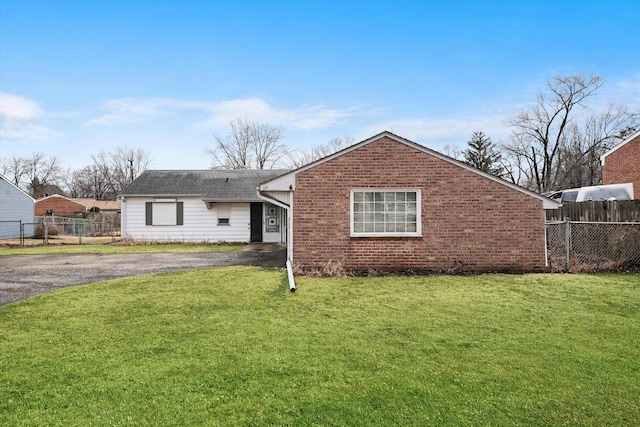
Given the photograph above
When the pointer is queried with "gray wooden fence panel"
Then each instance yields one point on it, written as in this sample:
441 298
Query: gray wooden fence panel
597 211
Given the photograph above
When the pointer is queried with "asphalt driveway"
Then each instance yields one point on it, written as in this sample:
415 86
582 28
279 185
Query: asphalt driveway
27 275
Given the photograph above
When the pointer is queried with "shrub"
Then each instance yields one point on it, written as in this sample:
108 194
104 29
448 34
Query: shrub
52 230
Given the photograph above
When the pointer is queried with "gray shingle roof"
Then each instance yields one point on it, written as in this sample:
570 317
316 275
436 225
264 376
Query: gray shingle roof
210 184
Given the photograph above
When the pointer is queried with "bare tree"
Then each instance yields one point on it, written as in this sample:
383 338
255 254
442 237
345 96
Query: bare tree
301 158
579 162
111 172
250 144
15 169
88 182
452 151
33 174
556 135
267 148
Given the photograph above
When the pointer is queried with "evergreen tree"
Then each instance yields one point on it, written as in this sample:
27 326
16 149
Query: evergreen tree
482 155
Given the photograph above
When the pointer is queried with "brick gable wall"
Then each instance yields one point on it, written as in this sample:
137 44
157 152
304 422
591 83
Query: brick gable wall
60 206
469 223
623 165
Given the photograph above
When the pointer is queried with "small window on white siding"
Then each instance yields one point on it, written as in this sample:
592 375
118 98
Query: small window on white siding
380 213
224 213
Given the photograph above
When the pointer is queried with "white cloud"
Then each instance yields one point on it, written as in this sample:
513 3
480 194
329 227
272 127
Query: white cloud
19 118
625 92
492 118
438 132
307 117
17 107
133 110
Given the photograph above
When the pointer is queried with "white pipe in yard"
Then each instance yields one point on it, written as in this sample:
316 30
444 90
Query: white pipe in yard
292 283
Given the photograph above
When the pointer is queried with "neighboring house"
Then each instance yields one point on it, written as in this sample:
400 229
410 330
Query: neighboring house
201 205
390 204
16 206
622 164
58 205
104 206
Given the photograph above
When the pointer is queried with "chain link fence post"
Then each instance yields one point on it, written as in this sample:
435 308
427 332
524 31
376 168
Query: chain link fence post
567 244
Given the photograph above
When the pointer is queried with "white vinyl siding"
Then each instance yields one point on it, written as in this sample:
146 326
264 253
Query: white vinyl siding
15 206
224 213
200 223
386 212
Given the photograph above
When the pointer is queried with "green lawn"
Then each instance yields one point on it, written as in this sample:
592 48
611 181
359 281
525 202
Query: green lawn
232 346
117 248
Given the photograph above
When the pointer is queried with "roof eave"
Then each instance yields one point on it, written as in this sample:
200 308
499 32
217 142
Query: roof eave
628 139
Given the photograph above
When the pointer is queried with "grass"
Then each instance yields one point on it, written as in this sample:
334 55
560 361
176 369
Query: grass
232 346
117 248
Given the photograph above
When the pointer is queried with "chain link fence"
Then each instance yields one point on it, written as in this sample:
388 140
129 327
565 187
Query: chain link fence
76 226
49 226
593 246
17 230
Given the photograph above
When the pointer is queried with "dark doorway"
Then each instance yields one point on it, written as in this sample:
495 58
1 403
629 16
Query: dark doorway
256 222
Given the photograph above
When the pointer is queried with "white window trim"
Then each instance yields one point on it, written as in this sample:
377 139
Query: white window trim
417 233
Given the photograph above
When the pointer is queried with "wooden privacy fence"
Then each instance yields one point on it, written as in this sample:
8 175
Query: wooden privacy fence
597 211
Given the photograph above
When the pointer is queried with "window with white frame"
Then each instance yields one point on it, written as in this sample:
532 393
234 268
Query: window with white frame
391 213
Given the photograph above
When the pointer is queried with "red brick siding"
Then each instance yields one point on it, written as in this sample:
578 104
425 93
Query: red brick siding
60 207
469 223
623 165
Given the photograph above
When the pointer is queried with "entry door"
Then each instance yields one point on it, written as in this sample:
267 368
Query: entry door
256 222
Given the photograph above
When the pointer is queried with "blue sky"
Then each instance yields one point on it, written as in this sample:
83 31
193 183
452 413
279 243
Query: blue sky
80 77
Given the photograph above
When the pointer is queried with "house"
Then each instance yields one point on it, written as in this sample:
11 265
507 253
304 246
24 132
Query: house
389 204
104 206
16 208
59 205
201 205
621 164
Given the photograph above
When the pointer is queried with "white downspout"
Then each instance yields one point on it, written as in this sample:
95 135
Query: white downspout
289 209
123 217
290 228
292 282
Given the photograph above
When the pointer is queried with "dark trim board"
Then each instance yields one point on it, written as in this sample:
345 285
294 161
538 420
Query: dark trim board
256 222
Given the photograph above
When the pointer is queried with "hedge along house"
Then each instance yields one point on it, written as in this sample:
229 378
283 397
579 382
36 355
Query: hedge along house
390 204
201 205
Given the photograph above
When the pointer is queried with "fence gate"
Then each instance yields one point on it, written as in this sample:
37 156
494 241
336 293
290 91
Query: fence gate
592 246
